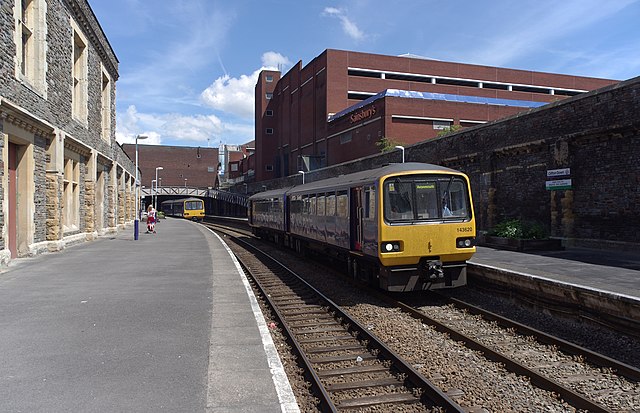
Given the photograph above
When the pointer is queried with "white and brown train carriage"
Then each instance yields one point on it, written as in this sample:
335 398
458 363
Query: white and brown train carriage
402 227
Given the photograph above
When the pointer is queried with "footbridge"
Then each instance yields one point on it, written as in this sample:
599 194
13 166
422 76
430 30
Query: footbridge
216 202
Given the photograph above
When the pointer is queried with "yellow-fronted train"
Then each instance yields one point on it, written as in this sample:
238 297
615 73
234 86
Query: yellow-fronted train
188 208
400 227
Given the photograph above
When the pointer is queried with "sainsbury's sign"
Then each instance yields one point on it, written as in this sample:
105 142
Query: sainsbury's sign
362 114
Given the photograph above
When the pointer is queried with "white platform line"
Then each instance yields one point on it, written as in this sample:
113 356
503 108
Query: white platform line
280 380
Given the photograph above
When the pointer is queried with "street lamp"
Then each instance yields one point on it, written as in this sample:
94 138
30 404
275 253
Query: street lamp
153 197
302 172
402 149
136 222
155 202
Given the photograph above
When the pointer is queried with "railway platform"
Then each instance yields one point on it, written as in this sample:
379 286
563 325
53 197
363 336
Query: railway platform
615 272
164 323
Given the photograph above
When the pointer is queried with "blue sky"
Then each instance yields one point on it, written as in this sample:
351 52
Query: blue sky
188 68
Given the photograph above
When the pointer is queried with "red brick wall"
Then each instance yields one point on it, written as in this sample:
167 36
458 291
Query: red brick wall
179 162
300 112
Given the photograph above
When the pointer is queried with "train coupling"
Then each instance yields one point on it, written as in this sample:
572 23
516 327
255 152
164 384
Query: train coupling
431 270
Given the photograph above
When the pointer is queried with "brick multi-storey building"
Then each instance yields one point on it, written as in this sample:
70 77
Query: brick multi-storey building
344 105
63 177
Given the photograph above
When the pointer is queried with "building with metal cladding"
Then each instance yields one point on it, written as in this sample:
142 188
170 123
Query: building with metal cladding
344 105
63 177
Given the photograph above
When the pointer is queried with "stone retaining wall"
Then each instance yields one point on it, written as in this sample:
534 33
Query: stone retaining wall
596 135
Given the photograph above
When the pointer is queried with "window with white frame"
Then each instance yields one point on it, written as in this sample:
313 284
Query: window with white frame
268 168
80 75
269 131
268 78
269 112
30 39
71 194
105 110
268 95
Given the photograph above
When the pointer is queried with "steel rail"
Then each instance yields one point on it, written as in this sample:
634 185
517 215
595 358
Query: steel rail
537 379
576 399
600 360
430 391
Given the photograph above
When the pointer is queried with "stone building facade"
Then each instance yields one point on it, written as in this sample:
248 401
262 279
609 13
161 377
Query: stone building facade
63 177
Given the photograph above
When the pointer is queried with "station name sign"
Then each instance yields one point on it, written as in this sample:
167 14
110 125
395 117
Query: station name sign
362 114
558 172
558 184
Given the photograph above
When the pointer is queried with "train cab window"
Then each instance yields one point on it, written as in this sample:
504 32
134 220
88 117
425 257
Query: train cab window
190 205
399 197
427 200
454 200
424 198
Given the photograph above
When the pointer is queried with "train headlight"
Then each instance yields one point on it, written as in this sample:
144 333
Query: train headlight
465 242
391 246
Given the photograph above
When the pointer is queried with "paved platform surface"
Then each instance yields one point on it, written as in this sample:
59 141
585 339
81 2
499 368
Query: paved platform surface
612 271
164 323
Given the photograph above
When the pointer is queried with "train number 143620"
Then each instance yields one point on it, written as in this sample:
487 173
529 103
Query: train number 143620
465 229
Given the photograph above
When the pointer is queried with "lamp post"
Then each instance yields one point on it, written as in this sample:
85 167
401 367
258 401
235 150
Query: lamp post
402 149
155 202
136 222
154 184
302 172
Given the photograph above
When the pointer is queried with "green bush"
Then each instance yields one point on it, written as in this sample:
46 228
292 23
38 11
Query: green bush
515 228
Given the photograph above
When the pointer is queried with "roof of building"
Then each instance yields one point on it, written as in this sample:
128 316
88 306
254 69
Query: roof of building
410 94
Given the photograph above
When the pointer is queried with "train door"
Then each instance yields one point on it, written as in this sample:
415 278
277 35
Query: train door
355 225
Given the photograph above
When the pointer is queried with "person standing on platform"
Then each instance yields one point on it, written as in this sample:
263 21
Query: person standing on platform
151 220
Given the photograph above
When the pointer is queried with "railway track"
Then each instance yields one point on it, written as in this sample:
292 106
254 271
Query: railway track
584 379
348 366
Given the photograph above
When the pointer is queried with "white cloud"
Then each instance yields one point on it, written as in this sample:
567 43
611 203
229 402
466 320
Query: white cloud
349 27
275 61
236 96
177 129
232 95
